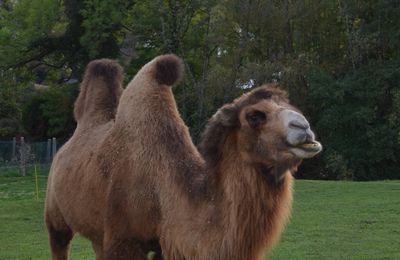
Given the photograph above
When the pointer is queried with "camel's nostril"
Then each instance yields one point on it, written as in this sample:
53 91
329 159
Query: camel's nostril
299 125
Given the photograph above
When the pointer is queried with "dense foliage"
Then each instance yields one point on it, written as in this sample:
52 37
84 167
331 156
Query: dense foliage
339 61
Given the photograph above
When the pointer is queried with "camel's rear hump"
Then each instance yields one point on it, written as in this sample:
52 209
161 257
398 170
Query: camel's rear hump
100 92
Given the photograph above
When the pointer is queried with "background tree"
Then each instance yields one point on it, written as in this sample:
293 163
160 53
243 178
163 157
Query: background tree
338 60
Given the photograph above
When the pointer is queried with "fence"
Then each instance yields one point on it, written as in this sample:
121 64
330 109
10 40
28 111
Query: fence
21 154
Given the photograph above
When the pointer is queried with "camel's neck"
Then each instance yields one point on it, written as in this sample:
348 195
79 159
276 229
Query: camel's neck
254 208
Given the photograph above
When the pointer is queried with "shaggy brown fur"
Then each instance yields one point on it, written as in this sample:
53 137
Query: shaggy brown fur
140 183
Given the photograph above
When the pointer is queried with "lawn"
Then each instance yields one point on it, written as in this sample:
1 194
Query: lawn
330 220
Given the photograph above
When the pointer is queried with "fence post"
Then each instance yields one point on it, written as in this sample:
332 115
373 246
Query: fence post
48 151
36 183
14 144
54 150
22 156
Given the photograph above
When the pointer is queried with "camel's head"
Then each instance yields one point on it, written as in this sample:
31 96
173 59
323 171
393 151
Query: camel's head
271 128
267 129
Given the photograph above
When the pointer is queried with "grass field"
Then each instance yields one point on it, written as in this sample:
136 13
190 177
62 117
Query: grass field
330 220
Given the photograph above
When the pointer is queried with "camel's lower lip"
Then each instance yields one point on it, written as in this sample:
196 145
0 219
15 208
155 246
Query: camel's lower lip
313 146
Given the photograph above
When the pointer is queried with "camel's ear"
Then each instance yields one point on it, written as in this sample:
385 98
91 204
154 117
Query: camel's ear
229 115
256 118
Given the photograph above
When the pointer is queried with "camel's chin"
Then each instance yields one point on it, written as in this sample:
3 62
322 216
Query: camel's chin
307 150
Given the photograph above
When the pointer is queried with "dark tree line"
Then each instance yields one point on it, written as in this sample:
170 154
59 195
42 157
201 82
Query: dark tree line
339 61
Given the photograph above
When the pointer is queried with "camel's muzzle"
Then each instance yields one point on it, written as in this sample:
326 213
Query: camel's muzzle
299 136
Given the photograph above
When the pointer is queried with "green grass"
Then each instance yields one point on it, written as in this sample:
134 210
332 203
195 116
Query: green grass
330 220
23 234
343 220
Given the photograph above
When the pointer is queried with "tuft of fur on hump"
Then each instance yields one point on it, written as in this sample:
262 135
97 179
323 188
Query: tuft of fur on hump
100 92
168 69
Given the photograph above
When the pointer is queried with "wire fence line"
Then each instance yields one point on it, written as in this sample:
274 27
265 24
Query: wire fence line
17 153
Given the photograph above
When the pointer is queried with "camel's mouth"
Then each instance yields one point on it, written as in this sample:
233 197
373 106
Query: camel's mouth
307 150
313 146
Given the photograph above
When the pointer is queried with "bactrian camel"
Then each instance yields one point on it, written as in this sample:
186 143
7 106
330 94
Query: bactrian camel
131 180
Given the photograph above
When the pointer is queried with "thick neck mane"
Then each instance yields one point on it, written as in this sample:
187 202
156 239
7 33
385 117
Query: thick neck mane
257 210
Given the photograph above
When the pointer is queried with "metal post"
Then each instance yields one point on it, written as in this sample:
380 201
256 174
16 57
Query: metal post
48 151
14 145
22 156
54 150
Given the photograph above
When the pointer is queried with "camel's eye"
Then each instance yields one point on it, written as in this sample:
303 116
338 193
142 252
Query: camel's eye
256 118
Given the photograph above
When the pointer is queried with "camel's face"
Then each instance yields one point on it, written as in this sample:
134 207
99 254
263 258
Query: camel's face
276 131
